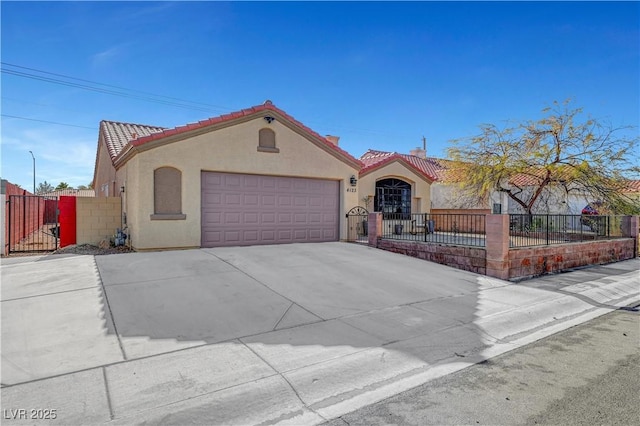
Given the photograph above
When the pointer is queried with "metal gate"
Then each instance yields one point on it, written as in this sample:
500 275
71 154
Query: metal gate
357 225
33 224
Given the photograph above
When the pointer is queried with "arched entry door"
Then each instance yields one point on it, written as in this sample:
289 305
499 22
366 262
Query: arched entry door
393 198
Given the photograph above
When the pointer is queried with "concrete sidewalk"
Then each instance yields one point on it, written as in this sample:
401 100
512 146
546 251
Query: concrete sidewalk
280 334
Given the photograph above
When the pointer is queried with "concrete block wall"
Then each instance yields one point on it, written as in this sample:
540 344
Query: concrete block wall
466 258
535 261
97 219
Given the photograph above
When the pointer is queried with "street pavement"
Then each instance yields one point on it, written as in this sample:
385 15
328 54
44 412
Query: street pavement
586 375
290 334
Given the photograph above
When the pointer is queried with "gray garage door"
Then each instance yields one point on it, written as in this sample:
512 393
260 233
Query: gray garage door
239 210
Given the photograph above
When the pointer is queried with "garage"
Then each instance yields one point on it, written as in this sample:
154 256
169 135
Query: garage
244 209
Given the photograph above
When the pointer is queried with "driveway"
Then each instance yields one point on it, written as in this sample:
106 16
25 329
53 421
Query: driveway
294 333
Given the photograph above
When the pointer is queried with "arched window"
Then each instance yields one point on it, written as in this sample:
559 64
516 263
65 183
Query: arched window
393 198
267 141
167 193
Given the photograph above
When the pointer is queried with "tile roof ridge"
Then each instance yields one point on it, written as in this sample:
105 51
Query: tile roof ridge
131 124
230 116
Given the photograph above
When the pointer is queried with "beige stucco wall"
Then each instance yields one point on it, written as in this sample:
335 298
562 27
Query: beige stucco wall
450 196
420 188
105 172
96 219
229 149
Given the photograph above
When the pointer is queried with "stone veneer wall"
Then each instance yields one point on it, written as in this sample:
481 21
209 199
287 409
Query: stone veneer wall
534 261
466 258
97 219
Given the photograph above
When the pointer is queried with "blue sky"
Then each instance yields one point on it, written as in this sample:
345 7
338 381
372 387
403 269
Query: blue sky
379 75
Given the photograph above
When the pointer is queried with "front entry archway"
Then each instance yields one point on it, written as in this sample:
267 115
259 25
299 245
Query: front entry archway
393 198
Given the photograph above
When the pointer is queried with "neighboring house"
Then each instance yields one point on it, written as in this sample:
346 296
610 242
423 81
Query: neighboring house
256 176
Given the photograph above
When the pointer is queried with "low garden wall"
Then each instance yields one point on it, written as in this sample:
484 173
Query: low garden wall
466 258
535 261
499 260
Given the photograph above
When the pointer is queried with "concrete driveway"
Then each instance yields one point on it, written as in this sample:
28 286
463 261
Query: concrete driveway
295 333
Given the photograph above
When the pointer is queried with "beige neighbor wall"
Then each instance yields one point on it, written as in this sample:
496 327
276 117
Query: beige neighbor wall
96 219
420 187
229 149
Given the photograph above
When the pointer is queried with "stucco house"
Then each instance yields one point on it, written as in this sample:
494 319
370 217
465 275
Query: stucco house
256 176
259 176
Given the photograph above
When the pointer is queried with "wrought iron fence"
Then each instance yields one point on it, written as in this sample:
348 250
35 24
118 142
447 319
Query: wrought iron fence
440 228
33 224
526 230
358 225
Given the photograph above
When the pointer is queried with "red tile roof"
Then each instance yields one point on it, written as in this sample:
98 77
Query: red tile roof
431 168
117 135
633 186
146 134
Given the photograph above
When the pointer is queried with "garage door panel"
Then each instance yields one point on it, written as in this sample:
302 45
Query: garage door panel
268 236
267 182
251 182
251 218
315 234
268 218
251 236
315 218
213 236
212 218
268 200
251 200
300 235
284 200
328 234
252 209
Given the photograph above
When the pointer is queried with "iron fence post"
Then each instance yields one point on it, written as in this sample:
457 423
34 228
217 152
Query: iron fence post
425 223
9 208
547 229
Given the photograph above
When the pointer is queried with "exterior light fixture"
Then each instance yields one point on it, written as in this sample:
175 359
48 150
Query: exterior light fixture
353 181
122 189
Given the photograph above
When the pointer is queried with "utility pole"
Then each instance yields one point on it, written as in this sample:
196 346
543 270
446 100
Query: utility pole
34 172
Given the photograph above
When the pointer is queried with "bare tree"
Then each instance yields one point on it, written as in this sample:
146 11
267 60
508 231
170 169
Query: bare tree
560 152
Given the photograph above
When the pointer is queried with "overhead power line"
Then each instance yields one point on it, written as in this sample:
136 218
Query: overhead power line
48 122
108 88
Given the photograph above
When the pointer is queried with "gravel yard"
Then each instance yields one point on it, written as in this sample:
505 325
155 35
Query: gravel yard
80 249
92 250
